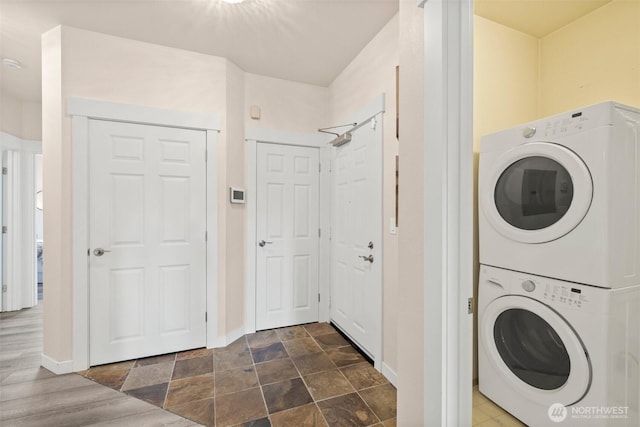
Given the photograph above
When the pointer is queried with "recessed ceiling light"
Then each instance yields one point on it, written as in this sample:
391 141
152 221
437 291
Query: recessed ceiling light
12 63
233 1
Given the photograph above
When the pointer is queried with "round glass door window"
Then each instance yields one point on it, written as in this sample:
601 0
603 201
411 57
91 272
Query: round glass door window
531 349
533 193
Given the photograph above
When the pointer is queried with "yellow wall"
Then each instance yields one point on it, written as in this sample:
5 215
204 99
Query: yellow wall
505 94
520 78
593 59
505 78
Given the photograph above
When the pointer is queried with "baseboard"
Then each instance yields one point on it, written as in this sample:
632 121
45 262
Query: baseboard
225 340
390 374
234 335
55 366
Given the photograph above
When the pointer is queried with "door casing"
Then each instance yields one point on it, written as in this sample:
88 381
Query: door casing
256 136
81 111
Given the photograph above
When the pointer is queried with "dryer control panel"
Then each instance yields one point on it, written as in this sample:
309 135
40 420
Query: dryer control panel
567 124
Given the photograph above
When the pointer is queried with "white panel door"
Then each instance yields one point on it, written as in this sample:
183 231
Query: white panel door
147 212
287 215
356 238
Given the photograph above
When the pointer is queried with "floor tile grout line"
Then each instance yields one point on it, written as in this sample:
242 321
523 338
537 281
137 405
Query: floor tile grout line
255 370
166 393
315 402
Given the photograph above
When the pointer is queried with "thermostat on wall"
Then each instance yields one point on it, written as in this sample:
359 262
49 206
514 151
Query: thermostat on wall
236 194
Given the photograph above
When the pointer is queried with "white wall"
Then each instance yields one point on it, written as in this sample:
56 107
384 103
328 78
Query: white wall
285 105
22 119
411 345
373 72
10 115
234 225
79 63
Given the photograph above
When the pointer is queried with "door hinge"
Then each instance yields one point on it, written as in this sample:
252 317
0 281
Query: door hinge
206 156
318 297
205 316
470 305
4 171
319 232
4 229
4 288
319 167
206 236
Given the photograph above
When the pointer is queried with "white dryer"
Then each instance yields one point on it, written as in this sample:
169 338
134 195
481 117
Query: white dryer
551 351
560 197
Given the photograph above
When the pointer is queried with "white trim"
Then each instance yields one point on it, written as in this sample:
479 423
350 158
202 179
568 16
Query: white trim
20 240
389 374
58 368
212 238
80 239
103 110
82 110
251 152
303 139
448 202
13 237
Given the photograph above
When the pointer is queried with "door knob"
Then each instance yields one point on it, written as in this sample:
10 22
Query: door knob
261 243
367 258
99 251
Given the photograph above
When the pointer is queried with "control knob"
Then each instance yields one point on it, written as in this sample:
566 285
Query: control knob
529 285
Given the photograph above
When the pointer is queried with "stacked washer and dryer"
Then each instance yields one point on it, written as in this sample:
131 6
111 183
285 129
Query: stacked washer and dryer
559 291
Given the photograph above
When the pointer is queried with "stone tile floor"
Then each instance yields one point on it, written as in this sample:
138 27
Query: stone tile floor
305 375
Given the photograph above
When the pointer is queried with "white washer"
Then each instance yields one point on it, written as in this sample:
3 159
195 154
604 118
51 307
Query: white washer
543 341
560 197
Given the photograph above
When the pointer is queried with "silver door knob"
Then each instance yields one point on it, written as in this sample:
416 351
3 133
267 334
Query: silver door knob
99 251
261 243
367 258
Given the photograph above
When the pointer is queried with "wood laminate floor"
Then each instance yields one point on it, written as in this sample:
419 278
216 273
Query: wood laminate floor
33 396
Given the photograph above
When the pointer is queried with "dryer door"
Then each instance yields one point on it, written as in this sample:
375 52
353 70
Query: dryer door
535 350
537 192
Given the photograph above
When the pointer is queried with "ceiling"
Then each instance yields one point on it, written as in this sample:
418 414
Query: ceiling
308 41
537 18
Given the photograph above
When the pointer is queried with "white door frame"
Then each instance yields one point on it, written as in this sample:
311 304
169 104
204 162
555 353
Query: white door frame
448 221
254 136
81 111
20 239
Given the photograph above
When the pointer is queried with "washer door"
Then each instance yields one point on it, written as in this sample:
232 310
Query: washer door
537 192
535 350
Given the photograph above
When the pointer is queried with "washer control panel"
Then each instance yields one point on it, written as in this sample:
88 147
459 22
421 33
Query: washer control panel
565 294
558 294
